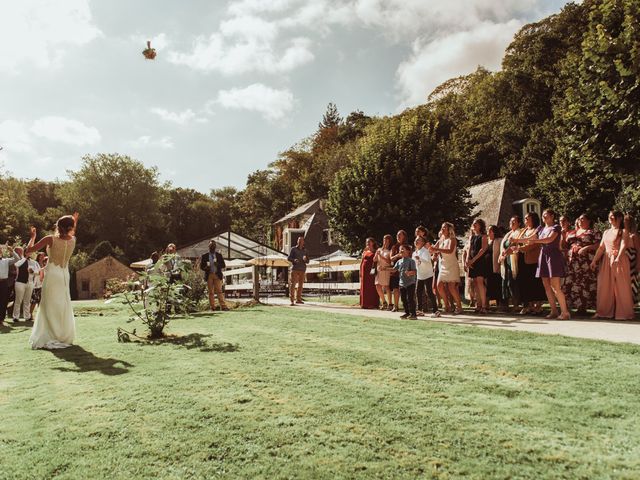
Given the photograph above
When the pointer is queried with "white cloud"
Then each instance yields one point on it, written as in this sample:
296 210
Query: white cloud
436 61
15 137
39 31
65 130
272 104
181 118
405 19
251 54
147 141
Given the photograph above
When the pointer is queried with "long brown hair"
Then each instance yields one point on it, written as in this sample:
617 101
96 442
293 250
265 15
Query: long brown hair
65 225
633 227
618 215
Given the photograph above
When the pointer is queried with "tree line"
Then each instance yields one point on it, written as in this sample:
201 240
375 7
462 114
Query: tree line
560 119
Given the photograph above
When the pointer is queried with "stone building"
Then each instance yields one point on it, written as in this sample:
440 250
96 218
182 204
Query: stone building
498 200
92 279
309 221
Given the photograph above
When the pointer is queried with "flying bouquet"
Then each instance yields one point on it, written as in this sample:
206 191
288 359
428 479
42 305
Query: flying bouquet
149 53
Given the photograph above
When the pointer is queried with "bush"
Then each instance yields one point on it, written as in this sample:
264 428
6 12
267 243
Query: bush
115 286
152 297
196 290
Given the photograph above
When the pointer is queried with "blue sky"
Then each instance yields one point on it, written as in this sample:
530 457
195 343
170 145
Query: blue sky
234 83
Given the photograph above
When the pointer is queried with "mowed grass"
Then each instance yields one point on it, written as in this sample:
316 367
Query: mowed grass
273 392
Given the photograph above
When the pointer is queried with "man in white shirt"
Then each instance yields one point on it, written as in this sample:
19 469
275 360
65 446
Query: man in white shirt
5 264
424 288
27 270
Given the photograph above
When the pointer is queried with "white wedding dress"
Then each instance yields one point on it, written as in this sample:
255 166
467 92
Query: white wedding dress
55 326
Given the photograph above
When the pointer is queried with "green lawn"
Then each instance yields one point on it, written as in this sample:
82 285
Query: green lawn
273 392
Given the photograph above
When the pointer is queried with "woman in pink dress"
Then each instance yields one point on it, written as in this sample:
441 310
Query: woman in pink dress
614 298
368 292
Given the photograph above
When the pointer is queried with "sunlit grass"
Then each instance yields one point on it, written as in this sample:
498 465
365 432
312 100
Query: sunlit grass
273 392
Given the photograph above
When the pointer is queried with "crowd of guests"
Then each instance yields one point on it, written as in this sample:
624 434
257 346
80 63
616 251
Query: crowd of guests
569 266
20 283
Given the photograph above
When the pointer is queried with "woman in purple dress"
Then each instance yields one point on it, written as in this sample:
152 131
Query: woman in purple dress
551 268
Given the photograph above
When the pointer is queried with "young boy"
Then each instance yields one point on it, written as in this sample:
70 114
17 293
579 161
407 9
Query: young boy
425 277
406 267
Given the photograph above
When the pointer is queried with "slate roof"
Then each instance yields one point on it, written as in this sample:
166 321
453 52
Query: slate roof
495 200
302 209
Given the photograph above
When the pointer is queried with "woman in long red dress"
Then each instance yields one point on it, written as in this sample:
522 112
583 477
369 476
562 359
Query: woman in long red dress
368 293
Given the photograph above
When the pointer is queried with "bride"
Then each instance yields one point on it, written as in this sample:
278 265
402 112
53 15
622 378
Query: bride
55 326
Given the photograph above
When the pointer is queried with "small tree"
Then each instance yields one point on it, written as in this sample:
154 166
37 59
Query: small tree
151 298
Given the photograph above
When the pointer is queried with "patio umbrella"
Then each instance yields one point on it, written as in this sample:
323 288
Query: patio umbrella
141 264
270 261
235 263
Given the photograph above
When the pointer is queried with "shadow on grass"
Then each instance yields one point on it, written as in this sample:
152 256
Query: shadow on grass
195 341
16 327
86 361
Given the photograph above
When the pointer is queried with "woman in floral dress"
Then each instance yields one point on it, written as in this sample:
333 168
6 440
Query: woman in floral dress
580 285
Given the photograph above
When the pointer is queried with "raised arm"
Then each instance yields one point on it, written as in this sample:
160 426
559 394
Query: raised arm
32 246
452 247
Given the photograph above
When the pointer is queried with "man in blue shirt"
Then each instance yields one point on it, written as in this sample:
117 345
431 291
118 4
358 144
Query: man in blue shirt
406 266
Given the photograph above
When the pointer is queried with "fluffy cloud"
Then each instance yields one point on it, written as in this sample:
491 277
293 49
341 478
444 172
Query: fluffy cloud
434 62
251 54
148 141
65 130
181 118
39 31
272 104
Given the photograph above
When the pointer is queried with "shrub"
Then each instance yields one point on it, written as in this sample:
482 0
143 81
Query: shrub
152 297
115 286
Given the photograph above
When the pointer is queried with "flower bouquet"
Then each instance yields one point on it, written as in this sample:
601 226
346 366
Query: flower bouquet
149 53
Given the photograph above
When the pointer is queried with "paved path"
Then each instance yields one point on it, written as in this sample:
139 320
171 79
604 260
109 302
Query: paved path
613 331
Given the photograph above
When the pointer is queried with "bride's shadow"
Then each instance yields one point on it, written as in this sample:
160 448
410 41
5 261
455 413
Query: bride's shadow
86 361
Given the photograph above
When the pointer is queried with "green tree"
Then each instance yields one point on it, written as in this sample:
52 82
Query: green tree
398 178
120 201
598 120
16 212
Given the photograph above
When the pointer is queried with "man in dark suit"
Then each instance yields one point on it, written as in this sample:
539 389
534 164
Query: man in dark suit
212 264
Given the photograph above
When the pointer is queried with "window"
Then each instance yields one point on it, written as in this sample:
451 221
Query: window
85 285
326 236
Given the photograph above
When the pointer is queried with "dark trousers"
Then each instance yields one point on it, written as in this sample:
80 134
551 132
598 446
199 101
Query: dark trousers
424 290
4 298
408 295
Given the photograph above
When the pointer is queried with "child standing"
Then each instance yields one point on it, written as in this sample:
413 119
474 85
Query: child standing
406 268
424 275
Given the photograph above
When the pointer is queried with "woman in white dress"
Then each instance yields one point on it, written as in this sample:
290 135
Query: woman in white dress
55 326
448 268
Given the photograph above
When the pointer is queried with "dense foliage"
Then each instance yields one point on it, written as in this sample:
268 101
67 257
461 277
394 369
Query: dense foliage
397 177
561 119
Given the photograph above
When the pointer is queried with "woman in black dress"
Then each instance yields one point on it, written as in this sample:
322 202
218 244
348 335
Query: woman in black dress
494 280
478 263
